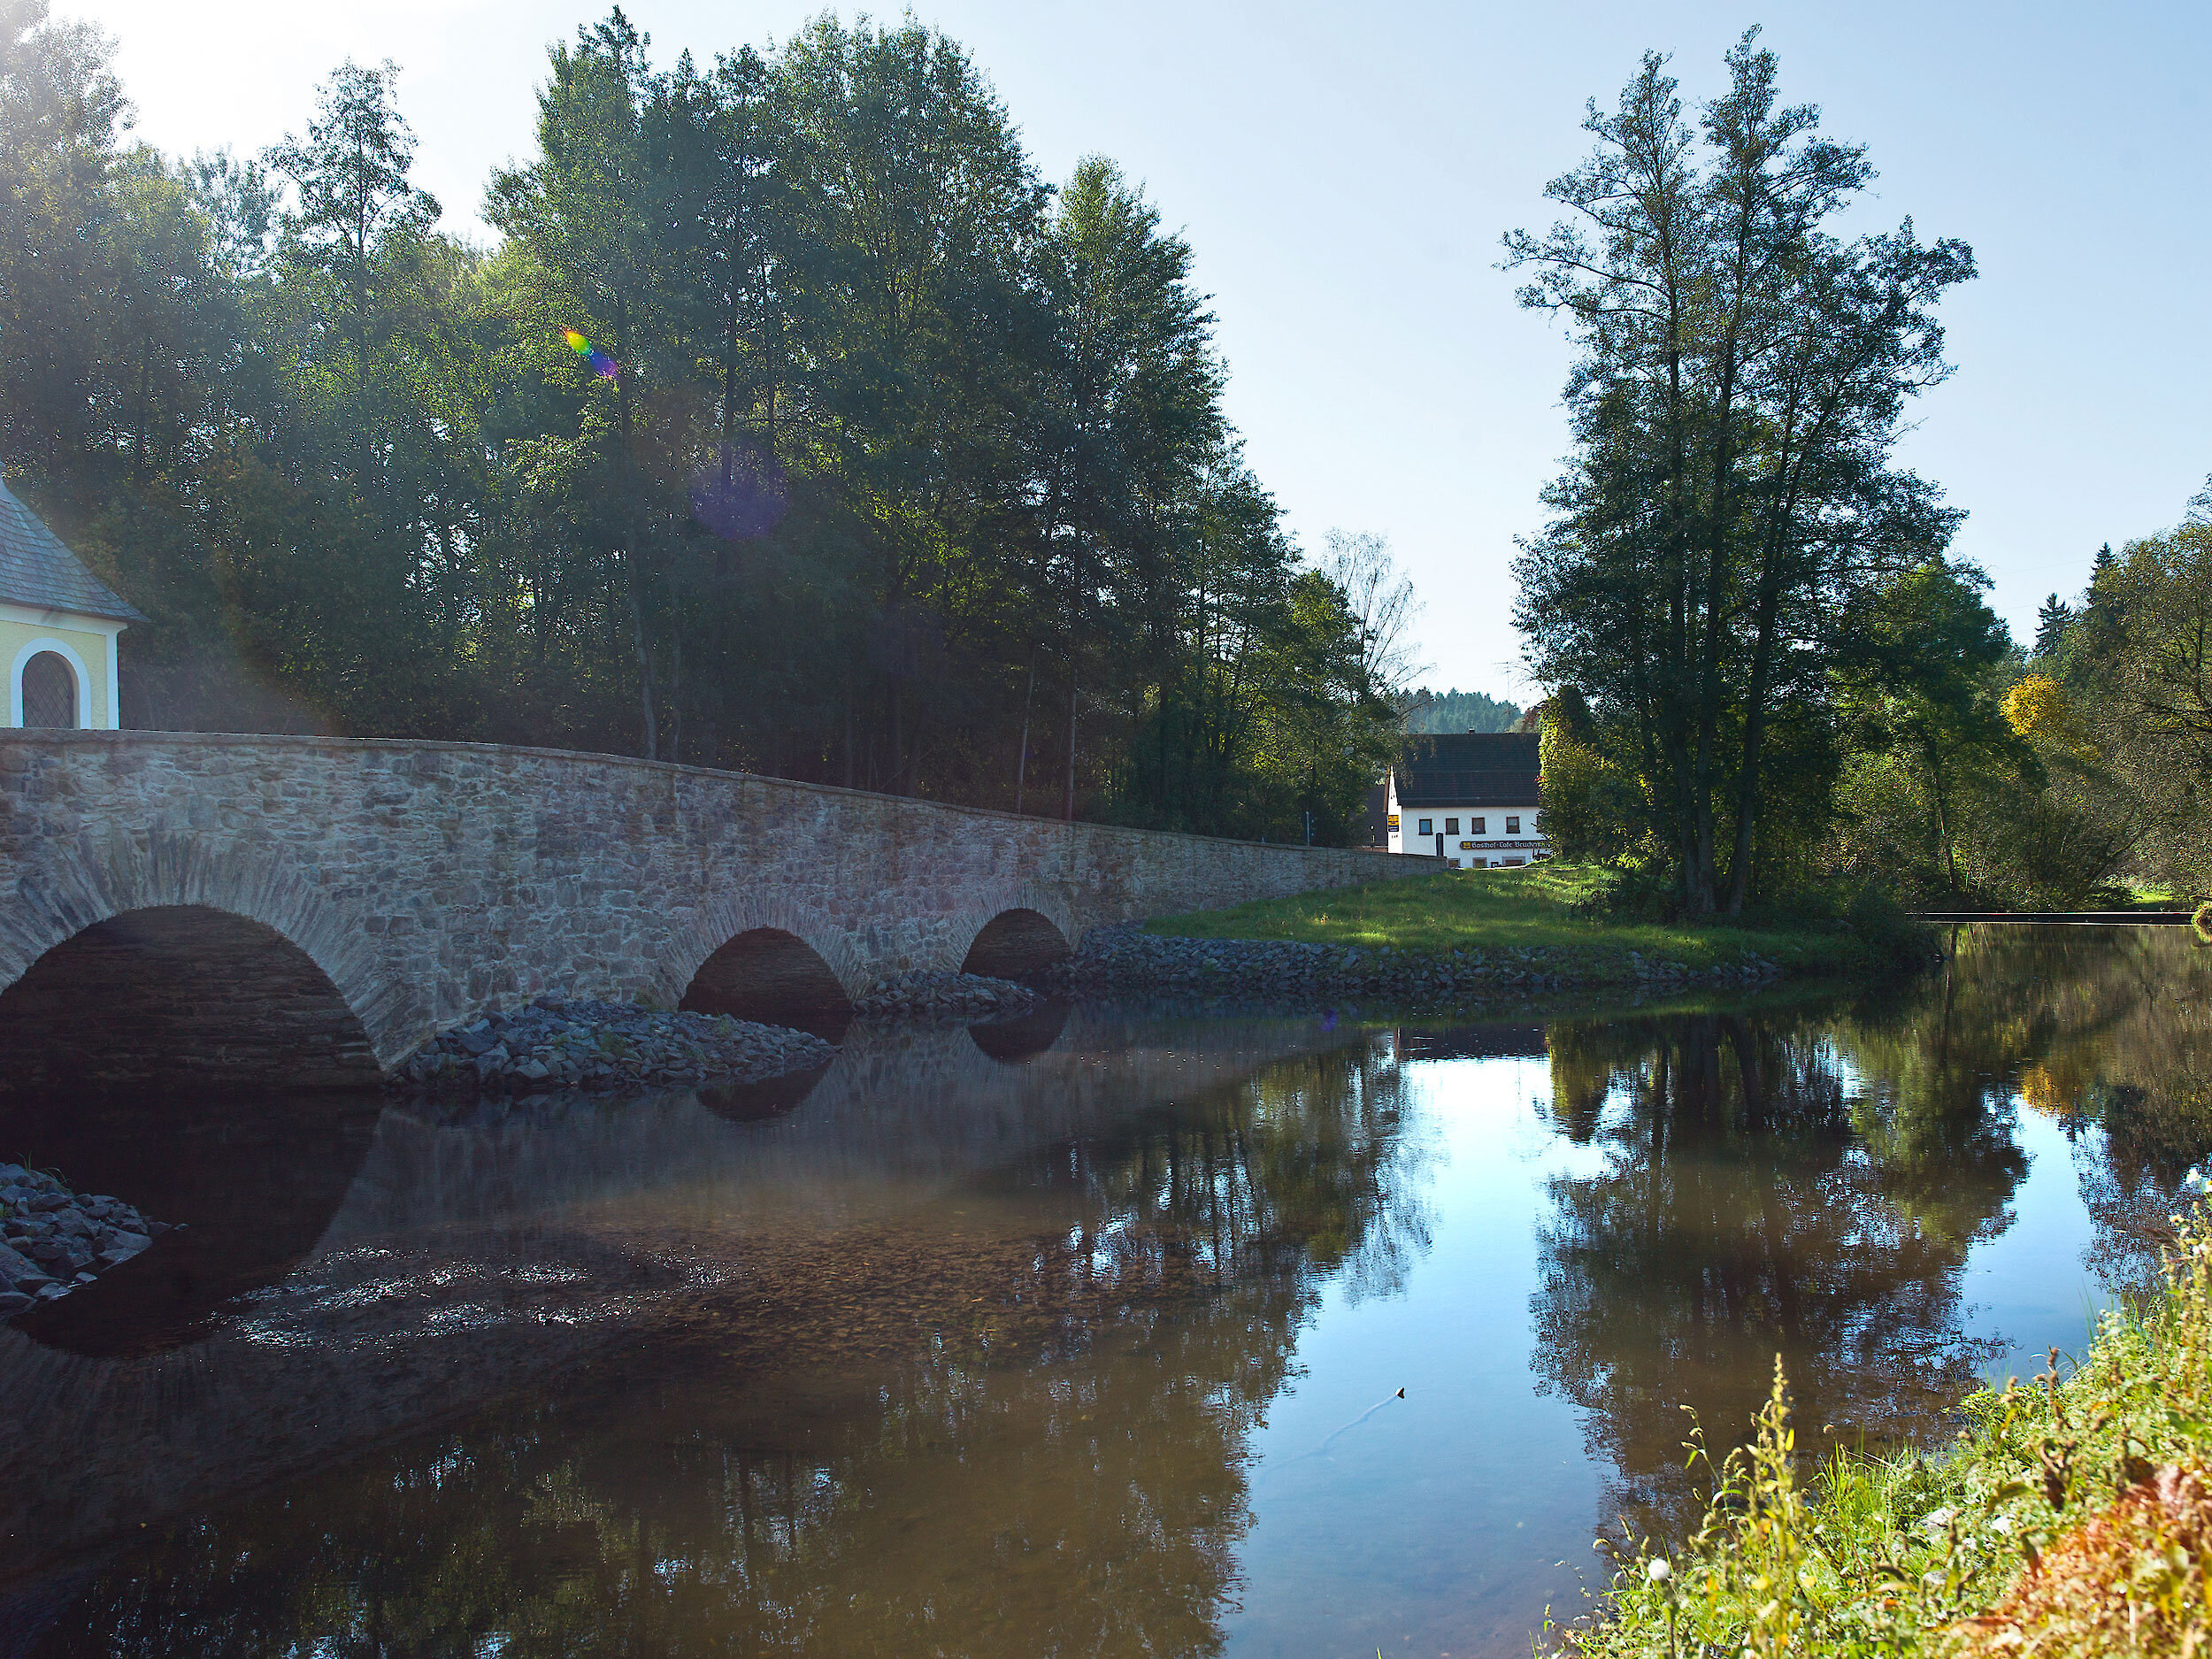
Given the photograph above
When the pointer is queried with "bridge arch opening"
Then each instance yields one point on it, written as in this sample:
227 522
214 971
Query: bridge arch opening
180 997
757 1102
1011 1041
1014 944
255 1185
774 976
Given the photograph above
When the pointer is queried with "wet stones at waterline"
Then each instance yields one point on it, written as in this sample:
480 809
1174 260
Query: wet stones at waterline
552 1044
947 996
1121 960
53 1241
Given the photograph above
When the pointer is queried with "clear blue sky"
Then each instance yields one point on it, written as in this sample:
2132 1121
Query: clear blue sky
1345 171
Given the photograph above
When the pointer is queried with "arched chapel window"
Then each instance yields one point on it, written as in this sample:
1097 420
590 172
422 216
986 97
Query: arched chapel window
50 691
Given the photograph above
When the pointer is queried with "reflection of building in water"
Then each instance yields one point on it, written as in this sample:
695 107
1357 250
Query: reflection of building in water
1470 1042
1010 1301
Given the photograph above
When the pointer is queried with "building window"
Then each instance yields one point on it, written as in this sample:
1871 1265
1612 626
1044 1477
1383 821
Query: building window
1451 827
1428 827
1513 826
1477 827
50 691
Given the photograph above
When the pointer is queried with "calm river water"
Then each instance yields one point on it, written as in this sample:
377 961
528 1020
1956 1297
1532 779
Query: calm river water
1082 1336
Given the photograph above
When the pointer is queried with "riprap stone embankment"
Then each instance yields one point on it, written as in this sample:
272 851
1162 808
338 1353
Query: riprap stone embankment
553 1044
1121 960
53 1239
942 996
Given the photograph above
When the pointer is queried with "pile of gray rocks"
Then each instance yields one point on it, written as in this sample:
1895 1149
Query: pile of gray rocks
923 994
553 1044
52 1239
1115 960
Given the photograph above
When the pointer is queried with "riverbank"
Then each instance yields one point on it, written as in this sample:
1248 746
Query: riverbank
1469 934
2074 1515
54 1239
552 1044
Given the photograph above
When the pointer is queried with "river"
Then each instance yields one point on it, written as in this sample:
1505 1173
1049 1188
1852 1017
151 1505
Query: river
1083 1335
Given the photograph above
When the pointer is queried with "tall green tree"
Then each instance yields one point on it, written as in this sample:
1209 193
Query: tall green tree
884 462
1739 385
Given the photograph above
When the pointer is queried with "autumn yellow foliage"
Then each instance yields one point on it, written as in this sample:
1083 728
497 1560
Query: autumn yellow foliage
2037 707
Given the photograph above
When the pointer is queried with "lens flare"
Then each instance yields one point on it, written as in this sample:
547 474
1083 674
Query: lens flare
740 494
602 365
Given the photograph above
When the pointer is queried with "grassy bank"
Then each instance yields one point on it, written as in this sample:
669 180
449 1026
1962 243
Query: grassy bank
2073 1517
1539 909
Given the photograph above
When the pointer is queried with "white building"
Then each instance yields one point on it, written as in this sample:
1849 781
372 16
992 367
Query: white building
58 627
1471 800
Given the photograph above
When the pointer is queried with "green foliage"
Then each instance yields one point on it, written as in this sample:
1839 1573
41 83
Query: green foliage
1731 515
895 467
1939 794
1910 1556
1591 798
2140 657
1457 710
1553 907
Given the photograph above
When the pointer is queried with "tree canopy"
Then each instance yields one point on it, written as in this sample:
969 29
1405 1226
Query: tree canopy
794 423
1731 518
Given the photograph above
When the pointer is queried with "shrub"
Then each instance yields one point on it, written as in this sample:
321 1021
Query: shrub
2073 1517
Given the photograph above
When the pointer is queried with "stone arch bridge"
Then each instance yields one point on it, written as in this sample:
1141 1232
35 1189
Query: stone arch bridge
211 908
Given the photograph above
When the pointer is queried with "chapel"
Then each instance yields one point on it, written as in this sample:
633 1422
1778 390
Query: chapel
58 623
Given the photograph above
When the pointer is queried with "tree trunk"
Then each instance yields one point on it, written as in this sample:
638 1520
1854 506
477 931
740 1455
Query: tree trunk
1021 762
647 690
1073 693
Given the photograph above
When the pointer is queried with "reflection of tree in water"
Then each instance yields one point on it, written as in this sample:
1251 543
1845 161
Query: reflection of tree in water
2122 1060
2106 1031
1016 1428
1739 1215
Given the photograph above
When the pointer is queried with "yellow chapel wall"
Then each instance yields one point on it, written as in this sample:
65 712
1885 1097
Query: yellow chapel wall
88 645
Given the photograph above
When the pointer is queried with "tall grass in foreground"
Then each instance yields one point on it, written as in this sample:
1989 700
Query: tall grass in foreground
2073 1517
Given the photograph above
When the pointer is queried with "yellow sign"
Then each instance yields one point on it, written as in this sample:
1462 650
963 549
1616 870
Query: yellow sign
1466 847
1393 820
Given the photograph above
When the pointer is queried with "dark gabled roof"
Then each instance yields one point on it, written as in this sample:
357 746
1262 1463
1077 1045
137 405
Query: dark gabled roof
1476 769
37 571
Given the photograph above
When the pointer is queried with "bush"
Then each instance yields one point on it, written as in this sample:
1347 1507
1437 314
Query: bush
2073 1517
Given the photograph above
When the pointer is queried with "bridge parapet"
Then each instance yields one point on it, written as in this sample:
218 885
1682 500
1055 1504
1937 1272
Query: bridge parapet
429 882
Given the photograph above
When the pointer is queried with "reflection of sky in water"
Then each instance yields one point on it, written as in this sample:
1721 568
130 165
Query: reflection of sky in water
1450 1523
1399 1530
1100 1352
2027 1289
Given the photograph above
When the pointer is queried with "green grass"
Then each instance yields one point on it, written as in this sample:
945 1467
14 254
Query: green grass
2042 1529
2142 897
1520 909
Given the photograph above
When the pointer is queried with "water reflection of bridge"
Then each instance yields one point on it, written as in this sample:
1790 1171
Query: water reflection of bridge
462 1258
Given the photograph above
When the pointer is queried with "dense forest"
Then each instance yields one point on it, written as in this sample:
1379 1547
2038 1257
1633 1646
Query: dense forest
1771 674
1457 710
794 423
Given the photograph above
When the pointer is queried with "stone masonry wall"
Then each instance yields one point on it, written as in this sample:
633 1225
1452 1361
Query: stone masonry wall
431 880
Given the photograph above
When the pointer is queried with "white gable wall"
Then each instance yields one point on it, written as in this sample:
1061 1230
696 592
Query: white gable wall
1462 845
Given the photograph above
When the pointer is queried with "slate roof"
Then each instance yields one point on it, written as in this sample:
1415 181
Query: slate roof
37 571
1476 769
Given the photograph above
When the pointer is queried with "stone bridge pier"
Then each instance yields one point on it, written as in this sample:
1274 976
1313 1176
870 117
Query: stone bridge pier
208 909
